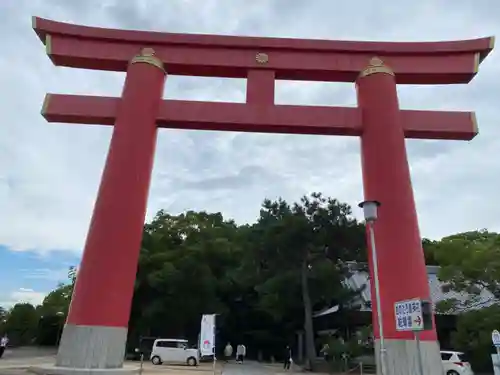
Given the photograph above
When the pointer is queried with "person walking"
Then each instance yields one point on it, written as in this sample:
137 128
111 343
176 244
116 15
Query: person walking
243 352
240 349
238 353
228 352
287 361
3 344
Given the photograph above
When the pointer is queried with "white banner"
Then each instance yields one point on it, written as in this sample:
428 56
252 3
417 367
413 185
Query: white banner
207 335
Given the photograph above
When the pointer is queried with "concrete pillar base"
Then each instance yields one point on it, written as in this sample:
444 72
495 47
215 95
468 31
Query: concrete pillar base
401 357
92 347
89 350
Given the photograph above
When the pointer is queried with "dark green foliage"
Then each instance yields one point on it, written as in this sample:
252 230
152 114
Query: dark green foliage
473 335
21 324
264 280
469 263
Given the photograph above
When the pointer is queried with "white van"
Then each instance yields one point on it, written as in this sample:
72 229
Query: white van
173 351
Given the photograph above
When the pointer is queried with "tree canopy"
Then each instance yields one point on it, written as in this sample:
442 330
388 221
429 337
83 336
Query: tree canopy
264 280
470 264
300 250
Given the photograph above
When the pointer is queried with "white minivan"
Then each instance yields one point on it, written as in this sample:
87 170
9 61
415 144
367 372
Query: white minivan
173 351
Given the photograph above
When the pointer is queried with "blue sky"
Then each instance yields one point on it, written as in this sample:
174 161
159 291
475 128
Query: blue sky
28 276
50 173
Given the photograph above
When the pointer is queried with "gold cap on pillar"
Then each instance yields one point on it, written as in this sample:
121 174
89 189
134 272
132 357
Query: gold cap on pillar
147 56
376 65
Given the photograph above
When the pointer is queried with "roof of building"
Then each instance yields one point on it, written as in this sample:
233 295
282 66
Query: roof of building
360 280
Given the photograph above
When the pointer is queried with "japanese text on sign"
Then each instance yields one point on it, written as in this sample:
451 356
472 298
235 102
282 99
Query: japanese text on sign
409 315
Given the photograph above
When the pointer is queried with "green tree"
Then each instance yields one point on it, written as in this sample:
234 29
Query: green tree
3 319
187 262
57 302
21 324
252 276
291 244
3 313
473 335
428 247
54 310
469 262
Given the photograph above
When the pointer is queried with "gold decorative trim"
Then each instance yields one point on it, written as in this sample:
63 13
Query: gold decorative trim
147 56
475 128
45 105
376 65
477 61
48 44
492 42
262 58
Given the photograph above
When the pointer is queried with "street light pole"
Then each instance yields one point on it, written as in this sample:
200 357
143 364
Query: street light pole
370 214
377 296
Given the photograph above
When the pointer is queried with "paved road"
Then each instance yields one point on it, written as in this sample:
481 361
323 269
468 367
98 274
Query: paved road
28 352
15 361
247 368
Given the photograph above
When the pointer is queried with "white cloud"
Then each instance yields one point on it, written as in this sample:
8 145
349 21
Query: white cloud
49 174
57 275
22 295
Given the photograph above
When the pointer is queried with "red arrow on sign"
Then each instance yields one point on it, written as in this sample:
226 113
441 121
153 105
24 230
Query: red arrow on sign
418 320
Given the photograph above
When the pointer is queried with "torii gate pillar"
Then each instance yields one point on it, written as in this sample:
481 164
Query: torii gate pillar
386 178
96 327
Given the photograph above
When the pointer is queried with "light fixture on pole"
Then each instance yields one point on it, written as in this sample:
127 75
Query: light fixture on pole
370 212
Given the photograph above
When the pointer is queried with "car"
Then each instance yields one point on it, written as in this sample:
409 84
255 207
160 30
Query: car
175 351
455 363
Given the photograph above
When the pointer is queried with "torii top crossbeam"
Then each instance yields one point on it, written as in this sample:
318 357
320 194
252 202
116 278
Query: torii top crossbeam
290 59
261 61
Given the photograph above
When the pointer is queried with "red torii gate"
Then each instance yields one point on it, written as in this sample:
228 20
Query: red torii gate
96 327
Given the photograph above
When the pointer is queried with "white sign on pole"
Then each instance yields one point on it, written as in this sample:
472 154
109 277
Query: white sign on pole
408 315
207 335
495 337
